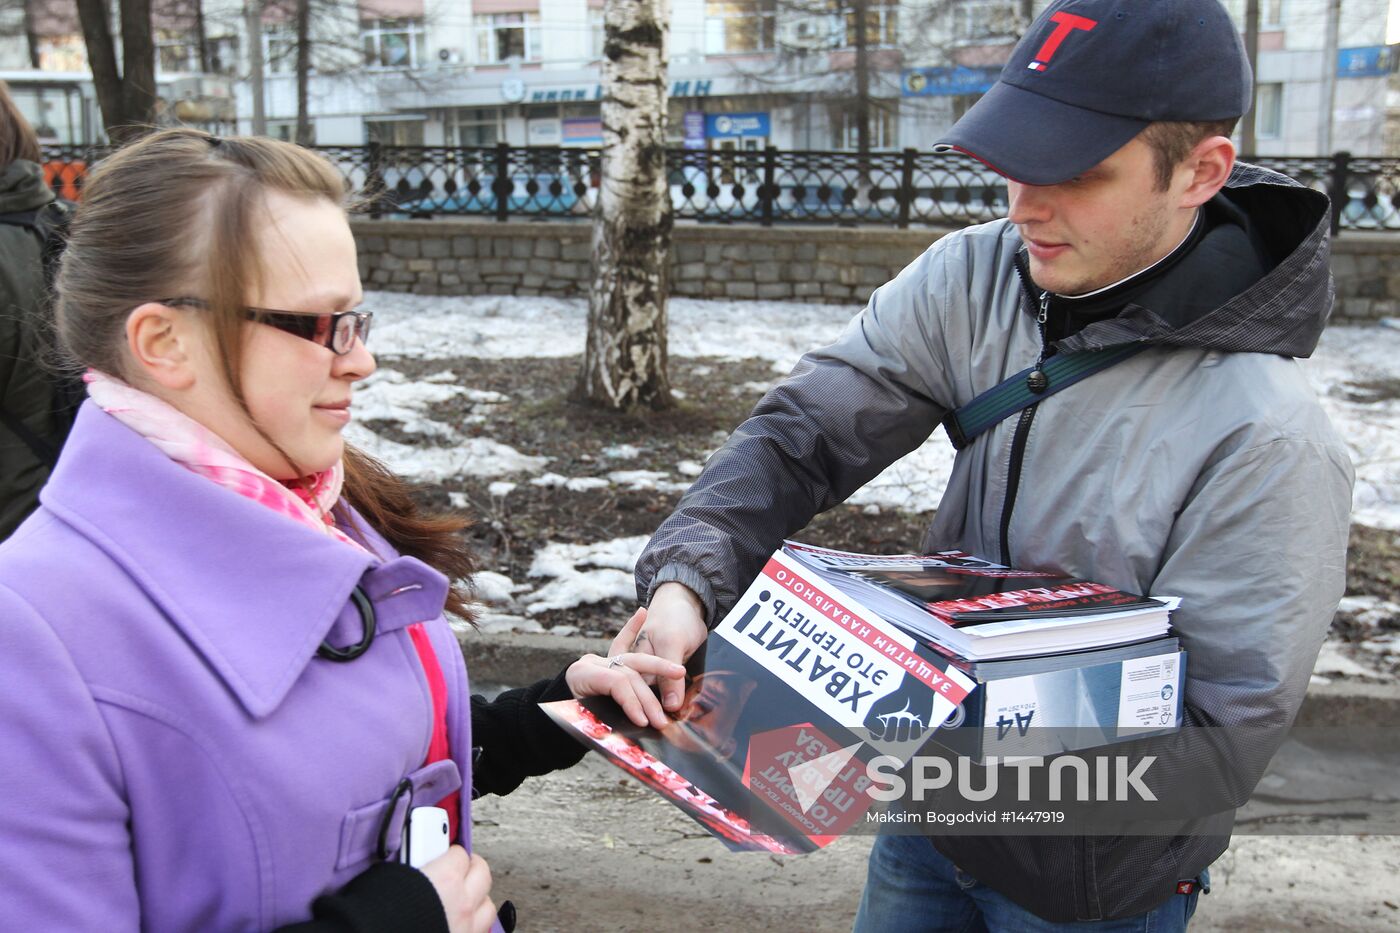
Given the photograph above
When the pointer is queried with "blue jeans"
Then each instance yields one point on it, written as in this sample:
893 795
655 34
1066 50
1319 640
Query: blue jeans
912 888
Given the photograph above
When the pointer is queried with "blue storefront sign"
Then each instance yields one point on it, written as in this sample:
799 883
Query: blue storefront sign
735 125
1374 61
935 82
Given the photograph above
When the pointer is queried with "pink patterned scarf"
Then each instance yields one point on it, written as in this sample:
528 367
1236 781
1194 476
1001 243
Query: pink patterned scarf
200 450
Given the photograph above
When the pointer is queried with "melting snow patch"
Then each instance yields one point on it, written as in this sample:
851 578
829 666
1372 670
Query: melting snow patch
1369 610
579 588
497 622
389 396
573 586
492 587
1332 663
500 490
914 483
500 327
571 483
689 468
476 456
622 452
1345 357
647 479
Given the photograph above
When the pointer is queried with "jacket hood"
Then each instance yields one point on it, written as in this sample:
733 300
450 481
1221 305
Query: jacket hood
22 187
1276 227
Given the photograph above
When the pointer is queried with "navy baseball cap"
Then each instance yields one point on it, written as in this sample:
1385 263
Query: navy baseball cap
1089 75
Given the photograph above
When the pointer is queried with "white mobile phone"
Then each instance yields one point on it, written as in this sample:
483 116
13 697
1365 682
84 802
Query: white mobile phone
425 835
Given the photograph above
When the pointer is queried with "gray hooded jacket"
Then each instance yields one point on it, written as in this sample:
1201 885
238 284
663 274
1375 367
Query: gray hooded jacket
1202 467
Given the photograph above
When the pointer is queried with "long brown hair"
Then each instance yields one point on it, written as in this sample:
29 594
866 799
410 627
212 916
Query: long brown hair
17 139
172 214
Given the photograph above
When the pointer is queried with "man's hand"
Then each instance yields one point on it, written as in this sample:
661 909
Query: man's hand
674 629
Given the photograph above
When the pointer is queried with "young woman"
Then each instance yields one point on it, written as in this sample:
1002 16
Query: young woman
225 676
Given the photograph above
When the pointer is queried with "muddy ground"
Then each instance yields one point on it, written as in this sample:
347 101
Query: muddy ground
714 396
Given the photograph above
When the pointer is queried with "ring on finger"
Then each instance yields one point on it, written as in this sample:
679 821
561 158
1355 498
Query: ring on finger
616 661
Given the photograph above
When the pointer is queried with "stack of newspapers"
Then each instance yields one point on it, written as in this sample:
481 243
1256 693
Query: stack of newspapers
830 660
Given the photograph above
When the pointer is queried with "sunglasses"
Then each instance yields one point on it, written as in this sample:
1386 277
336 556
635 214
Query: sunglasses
335 331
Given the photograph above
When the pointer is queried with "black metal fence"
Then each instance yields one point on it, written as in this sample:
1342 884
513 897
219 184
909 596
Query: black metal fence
766 186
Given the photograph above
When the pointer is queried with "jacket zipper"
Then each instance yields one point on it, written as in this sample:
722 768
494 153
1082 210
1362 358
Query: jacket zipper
1023 424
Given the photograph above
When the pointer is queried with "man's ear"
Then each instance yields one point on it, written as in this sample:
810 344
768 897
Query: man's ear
1209 166
161 345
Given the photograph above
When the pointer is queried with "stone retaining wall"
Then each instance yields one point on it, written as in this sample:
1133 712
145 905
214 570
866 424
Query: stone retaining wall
826 264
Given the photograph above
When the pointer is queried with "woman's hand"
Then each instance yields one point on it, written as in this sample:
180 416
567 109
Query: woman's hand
463 883
623 676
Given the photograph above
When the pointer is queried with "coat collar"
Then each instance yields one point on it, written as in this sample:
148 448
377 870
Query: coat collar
254 592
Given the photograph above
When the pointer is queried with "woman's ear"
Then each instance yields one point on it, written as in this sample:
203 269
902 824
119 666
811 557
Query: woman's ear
161 342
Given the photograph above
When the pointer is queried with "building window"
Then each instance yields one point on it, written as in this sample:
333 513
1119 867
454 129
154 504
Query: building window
962 103
175 52
395 132
844 133
595 33
394 43
1271 14
979 20
881 25
286 130
279 48
473 126
1268 111
223 55
62 53
503 36
740 26
56 113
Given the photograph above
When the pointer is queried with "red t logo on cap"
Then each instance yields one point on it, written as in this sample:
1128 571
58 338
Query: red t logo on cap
1065 23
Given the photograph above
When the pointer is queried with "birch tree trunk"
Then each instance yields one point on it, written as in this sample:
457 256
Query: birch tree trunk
624 363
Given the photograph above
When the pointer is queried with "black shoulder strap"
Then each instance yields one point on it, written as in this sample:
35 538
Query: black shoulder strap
1005 399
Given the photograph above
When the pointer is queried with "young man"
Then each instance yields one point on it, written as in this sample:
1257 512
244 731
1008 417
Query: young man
1200 467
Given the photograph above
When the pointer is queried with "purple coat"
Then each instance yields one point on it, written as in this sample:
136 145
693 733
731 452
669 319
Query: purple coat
173 755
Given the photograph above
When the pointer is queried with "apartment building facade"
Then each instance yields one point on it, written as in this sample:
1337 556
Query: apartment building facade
744 74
